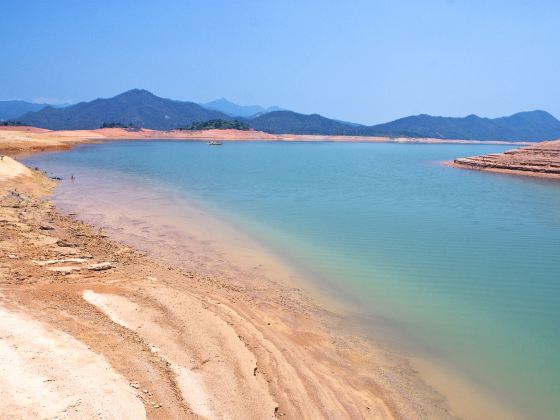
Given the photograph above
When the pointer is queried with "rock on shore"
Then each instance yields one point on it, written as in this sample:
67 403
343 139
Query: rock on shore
542 159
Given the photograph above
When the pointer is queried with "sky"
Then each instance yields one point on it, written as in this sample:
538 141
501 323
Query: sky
367 61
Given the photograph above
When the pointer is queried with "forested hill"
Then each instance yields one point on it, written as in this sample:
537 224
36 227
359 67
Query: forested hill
136 107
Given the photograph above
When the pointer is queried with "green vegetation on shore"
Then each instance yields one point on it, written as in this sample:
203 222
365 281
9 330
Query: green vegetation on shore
217 125
118 125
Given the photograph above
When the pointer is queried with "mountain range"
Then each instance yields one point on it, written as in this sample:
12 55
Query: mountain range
523 126
141 108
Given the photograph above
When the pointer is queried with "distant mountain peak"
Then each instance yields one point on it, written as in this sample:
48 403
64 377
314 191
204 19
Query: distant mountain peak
235 110
137 93
221 101
536 112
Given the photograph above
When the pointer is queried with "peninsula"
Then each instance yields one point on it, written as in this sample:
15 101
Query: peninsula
542 160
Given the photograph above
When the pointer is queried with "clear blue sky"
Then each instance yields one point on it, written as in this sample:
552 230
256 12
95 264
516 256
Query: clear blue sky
367 61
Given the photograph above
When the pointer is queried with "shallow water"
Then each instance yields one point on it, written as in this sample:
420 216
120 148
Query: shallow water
466 265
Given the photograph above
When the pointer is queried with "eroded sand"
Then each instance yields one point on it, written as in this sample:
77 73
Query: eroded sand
46 373
206 386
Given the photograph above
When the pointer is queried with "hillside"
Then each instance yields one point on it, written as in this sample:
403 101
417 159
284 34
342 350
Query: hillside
10 110
289 122
135 107
524 126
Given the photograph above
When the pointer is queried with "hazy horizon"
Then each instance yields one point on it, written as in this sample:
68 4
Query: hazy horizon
366 62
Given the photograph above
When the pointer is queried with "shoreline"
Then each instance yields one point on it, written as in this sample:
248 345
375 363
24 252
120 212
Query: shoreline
386 400
14 140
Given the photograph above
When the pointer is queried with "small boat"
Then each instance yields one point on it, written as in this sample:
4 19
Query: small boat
215 143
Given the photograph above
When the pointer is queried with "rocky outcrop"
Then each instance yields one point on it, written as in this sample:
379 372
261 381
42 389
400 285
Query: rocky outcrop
542 159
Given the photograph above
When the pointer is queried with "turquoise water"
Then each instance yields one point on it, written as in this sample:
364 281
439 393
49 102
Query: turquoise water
465 264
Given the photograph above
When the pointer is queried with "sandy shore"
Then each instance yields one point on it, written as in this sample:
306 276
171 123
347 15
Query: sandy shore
94 328
25 139
540 160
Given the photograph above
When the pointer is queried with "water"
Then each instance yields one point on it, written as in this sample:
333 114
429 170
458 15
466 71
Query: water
464 264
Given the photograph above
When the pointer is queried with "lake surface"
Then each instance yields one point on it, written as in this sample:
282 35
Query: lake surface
464 264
